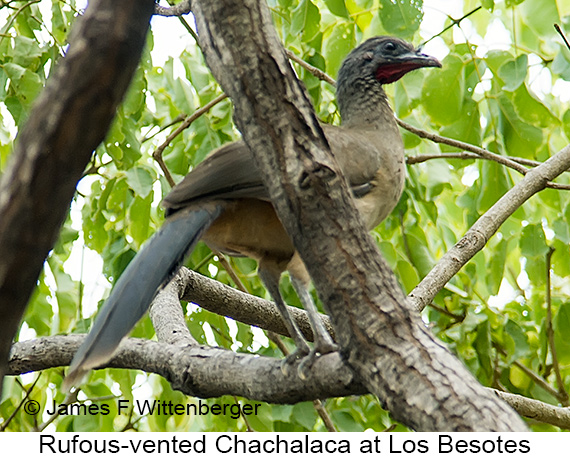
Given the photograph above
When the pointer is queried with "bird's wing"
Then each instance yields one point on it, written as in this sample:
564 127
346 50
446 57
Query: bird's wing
359 153
229 172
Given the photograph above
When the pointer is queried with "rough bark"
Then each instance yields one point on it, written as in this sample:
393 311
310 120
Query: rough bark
249 309
200 371
383 341
69 119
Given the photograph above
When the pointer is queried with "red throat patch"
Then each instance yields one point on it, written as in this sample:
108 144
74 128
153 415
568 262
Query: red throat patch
387 74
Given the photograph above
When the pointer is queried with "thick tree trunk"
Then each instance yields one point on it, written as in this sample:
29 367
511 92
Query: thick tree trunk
383 340
70 118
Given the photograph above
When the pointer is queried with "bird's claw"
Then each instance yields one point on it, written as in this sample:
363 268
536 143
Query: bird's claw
318 351
290 360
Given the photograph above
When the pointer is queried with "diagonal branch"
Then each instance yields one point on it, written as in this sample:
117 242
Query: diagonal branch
477 236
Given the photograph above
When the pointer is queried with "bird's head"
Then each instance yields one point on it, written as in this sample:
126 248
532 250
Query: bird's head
384 59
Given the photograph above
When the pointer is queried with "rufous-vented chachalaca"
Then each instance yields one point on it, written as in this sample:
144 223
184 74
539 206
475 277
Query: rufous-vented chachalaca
223 201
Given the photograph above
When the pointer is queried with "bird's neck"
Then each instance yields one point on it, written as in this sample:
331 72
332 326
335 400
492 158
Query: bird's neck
363 104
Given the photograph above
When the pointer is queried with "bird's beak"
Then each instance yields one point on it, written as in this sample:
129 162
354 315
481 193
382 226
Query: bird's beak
418 59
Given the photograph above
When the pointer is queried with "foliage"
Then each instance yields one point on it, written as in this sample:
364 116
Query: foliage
504 95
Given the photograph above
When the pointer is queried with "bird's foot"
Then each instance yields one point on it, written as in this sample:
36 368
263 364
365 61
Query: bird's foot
301 352
325 347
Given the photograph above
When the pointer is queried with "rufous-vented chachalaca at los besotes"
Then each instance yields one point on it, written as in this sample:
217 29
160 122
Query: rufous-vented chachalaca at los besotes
223 202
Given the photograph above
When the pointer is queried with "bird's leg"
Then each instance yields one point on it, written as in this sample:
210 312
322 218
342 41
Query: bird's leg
323 343
271 281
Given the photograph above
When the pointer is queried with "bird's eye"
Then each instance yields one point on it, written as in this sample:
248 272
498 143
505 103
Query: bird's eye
390 46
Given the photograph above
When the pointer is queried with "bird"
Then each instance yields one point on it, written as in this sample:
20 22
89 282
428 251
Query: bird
223 202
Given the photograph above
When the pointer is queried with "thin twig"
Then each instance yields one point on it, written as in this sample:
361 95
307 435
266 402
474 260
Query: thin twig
4 425
453 23
324 415
243 416
561 33
174 121
231 271
481 152
420 158
157 154
536 378
310 68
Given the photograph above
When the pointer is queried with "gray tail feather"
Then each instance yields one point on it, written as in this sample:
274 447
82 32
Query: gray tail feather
133 293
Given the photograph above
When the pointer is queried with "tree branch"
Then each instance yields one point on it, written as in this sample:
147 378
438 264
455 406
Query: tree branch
200 371
537 410
249 309
184 7
486 226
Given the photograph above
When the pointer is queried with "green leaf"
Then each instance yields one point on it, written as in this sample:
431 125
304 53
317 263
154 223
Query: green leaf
345 421
540 17
494 184
304 414
140 180
419 252
514 72
139 218
533 241
489 4
497 267
566 123
408 93
60 25
337 7
515 341
26 52
119 197
338 45
39 312
531 110
135 98
443 91
561 63
26 83
408 275
306 20
402 17
561 326
484 347
467 128
360 11
521 139
495 59
438 177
